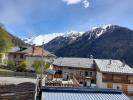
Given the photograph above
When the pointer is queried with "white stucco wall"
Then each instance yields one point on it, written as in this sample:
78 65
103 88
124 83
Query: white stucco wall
99 82
130 87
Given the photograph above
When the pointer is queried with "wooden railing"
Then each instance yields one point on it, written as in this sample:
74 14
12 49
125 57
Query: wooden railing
62 85
130 82
75 81
117 81
85 77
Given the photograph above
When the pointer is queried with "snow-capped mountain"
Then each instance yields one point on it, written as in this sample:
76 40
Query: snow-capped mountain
60 41
38 40
98 31
72 37
108 41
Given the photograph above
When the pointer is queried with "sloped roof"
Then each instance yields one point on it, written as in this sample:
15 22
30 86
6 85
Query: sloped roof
61 93
74 62
29 51
14 49
116 66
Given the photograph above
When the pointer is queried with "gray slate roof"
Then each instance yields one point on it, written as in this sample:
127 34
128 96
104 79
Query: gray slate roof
74 62
61 93
116 66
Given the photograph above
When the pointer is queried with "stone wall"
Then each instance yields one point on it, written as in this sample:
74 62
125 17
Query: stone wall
23 91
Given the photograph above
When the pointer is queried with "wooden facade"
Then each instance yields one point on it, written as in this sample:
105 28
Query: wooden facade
123 80
115 78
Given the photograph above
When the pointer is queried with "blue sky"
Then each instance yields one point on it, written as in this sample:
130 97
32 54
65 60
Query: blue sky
26 17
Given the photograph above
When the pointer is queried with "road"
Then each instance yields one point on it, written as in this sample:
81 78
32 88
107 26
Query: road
16 80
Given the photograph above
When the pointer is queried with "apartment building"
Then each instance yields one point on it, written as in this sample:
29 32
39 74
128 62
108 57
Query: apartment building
102 73
30 55
114 74
82 69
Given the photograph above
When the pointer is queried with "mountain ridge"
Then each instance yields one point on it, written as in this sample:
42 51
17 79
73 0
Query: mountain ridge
111 42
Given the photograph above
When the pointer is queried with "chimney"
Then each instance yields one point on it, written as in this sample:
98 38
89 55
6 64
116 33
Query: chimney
123 63
110 61
91 56
92 59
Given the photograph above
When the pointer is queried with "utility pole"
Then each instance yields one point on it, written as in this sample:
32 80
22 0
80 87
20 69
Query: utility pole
42 70
42 65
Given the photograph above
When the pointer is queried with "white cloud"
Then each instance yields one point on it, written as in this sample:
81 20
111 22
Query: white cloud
71 2
86 3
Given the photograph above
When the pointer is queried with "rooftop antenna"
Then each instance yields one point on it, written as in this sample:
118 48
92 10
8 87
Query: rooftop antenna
91 56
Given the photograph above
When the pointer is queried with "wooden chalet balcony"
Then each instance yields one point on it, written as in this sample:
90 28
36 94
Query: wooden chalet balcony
58 76
63 85
130 82
85 77
107 80
117 80
120 81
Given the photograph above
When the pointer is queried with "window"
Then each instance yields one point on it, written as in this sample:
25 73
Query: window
93 81
58 72
15 56
81 73
21 56
81 82
91 73
86 73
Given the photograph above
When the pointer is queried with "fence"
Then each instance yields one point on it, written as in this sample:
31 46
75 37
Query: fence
18 74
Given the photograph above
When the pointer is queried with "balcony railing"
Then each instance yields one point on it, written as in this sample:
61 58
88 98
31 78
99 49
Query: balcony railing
107 79
126 81
130 81
85 77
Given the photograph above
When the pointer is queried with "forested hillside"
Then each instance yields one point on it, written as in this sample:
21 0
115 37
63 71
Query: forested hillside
7 40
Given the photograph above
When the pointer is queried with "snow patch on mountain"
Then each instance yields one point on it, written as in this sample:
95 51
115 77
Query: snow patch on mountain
104 29
38 40
107 26
48 37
